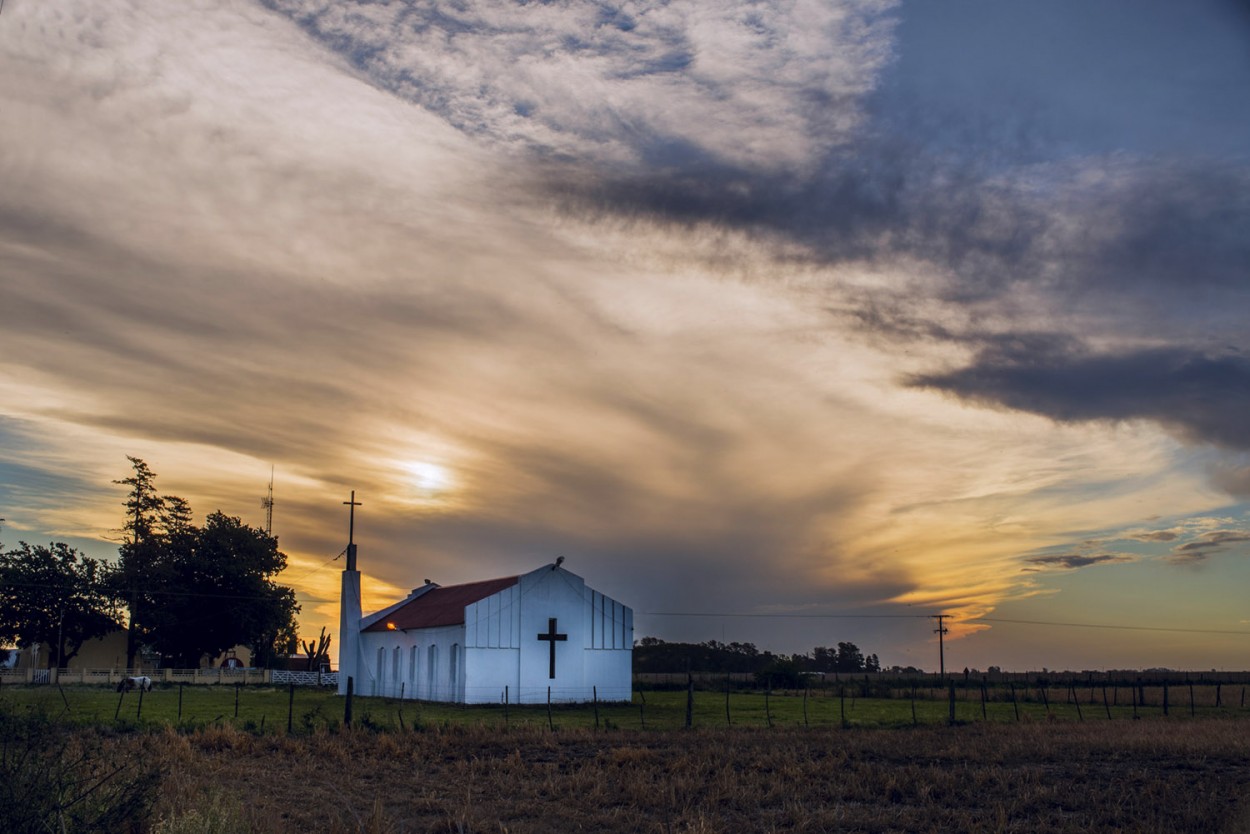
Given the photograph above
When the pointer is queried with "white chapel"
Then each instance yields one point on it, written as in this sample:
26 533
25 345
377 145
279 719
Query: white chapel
519 639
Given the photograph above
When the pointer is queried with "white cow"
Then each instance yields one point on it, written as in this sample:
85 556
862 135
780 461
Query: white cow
141 682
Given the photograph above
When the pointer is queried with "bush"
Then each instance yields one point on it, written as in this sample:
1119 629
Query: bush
52 779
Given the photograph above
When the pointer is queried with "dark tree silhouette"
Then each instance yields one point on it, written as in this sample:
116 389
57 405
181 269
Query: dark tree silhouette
54 595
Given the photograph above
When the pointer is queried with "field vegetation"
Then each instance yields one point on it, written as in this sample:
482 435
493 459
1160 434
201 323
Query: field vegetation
419 767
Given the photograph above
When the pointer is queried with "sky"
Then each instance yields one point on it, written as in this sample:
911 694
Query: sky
783 321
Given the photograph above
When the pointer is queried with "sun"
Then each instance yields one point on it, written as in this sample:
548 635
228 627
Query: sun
428 477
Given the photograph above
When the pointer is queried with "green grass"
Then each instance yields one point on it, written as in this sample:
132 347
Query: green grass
267 708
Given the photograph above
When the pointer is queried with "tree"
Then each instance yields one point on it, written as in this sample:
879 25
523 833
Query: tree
849 658
56 596
318 652
143 504
211 589
195 591
141 551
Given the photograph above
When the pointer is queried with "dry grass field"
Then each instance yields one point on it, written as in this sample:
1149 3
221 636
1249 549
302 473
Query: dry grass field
1039 774
1033 777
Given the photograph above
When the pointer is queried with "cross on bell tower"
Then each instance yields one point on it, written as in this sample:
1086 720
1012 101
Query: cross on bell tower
351 530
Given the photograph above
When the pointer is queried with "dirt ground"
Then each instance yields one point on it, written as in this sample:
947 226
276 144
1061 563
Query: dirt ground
1165 776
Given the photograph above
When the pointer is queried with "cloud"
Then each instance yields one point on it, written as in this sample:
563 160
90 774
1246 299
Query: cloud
1209 544
1073 561
1156 536
754 83
1198 396
1232 476
643 280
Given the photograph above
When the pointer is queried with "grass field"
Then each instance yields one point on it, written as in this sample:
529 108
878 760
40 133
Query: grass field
462 769
267 708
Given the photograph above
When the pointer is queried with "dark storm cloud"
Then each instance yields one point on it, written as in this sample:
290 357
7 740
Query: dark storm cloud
1201 397
1232 477
641 116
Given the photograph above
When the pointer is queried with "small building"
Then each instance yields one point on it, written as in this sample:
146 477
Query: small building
109 652
523 639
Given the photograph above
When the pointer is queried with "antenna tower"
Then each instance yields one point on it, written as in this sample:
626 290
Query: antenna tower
267 503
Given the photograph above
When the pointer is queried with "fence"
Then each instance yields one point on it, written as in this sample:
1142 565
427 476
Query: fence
114 676
280 676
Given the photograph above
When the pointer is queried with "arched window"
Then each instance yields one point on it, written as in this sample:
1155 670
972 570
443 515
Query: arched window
379 678
452 662
413 659
395 677
431 670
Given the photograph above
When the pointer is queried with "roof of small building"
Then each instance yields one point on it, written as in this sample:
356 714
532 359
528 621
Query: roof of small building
441 606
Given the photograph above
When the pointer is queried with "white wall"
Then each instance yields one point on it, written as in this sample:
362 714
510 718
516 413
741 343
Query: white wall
498 648
390 679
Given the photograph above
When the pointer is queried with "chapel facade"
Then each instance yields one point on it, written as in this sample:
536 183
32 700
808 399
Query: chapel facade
520 639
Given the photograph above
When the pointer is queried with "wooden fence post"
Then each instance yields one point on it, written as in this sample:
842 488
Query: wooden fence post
1014 704
1076 701
139 709
805 688
181 684
951 692
505 705
290 706
728 720
594 693
347 704
689 699
550 725
1106 705
768 713
236 700
983 697
913 705
1165 696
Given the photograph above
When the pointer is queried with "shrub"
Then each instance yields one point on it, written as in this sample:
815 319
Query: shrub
55 779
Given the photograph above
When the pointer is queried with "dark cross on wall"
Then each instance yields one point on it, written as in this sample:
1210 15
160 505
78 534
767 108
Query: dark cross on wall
552 638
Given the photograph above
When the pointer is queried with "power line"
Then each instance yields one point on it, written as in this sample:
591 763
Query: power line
1054 623
1108 625
786 616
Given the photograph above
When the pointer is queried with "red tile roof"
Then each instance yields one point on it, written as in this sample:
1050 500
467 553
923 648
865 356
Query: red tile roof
442 606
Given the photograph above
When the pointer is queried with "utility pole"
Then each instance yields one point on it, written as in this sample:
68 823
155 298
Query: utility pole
941 631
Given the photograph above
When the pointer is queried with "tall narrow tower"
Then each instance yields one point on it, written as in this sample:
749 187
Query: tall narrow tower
349 605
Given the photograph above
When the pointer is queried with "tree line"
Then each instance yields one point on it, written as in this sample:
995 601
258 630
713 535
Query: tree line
652 654
181 590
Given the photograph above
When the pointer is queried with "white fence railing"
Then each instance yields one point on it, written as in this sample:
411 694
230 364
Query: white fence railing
280 676
111 677
114 676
